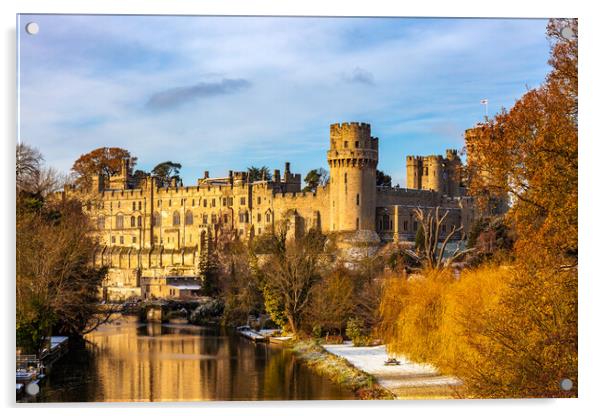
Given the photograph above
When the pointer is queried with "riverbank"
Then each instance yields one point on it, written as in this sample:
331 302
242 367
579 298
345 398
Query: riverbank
340 371
408 380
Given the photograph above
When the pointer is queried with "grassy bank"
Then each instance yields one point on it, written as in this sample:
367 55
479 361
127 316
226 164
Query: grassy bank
340 371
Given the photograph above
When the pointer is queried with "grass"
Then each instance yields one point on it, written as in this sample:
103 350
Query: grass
340 371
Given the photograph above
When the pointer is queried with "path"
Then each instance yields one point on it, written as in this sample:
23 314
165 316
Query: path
408 380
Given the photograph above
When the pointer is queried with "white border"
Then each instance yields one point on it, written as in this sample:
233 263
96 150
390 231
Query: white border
590 231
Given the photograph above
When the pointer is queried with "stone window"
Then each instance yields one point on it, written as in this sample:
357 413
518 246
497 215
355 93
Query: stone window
156 221
205 218
258 200
118 204
134 206
132 221
242 200
169 202
258 217
119 222
225 219
204 203
213 202
182 202
188 219
176 218
134 240
140 221
346 144
357 199
139 205
193 202
357 144
101 222
345 177
267 217
405 225
225 202
121 240
213 219
113 239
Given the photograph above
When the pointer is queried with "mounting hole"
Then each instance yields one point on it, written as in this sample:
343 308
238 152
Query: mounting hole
32 28
567 33
32 389
566 384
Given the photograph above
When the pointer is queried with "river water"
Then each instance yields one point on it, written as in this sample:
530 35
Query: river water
130 361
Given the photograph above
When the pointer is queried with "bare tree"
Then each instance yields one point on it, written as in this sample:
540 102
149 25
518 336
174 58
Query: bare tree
432 256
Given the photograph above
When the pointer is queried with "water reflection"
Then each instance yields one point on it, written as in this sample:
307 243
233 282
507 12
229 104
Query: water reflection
129 361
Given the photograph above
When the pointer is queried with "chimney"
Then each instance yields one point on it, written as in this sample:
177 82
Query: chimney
206 176
277 175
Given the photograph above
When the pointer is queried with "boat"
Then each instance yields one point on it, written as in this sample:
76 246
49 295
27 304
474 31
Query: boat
251 334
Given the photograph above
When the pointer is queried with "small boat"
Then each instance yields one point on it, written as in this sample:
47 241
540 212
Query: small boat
249 333
280 340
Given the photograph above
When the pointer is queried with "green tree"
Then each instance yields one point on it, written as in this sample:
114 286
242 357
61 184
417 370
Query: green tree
165 172
257 174
382 179
315 178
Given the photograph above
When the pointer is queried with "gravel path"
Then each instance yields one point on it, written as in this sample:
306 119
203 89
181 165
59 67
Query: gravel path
408 380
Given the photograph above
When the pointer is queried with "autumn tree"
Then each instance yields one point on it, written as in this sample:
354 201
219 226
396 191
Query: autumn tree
509 330
315 178
57 285
104 160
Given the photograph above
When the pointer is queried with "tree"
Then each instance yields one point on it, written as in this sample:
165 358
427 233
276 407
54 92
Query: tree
104 160
28 161
291 273
431 255
530 154
259 173
332 302
382 179
166 172
509 330
315 178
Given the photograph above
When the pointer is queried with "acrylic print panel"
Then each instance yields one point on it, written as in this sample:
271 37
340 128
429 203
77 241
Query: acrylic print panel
285 208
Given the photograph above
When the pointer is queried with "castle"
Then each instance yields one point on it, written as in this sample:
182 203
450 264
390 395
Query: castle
148 232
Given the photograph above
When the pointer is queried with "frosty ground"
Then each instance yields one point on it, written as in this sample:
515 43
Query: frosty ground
408 380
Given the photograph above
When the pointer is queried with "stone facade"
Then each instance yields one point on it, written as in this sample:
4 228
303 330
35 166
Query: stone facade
147 231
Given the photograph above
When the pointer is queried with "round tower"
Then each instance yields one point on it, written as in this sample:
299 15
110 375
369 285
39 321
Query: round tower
352 158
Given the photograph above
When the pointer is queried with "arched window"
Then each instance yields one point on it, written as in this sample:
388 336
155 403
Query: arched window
140 221
268 217
156 219
119 222
188 219
101 222
132 221
176 218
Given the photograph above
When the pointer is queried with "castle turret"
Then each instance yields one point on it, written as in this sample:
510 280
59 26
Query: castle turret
352 158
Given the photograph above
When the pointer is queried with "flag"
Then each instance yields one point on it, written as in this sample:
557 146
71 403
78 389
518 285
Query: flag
485 101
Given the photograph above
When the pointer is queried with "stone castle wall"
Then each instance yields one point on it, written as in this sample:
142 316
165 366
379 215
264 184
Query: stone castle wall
153 231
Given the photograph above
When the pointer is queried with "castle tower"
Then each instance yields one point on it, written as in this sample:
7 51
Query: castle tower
352 158
413 172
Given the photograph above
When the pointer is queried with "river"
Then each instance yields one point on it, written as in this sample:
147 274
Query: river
131 361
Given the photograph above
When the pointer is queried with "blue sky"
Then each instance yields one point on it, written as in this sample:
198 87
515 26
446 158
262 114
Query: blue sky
221 93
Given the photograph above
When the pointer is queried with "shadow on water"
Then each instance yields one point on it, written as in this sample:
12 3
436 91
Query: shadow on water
129 361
